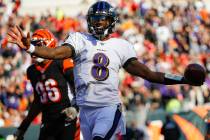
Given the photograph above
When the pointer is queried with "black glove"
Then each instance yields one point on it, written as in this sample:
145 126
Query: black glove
19 134
194 83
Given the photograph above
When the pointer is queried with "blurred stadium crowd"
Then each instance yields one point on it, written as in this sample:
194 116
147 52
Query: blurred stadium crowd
167 36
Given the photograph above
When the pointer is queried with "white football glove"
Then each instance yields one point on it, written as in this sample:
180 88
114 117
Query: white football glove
70 112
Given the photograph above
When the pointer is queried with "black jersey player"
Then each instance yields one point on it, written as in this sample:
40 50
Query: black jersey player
53 85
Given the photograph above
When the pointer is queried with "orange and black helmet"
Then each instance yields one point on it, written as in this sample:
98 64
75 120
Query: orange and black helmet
43 37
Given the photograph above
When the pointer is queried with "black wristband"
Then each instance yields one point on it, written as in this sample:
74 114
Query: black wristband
171 79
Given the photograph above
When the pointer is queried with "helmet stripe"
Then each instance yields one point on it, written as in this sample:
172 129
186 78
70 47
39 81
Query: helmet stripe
43 35
98 6
38 35
46 34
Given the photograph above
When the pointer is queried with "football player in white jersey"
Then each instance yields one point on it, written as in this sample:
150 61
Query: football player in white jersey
98 59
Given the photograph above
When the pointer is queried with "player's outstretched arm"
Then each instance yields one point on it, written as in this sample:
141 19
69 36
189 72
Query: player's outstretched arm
136 68
15 35
61 52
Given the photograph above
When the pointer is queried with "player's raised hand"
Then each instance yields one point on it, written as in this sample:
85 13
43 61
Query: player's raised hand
15 35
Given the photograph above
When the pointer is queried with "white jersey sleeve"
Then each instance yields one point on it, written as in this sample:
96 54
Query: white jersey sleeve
73 39
127 51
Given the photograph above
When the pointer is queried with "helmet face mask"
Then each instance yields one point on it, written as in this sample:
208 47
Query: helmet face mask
101 19
38 42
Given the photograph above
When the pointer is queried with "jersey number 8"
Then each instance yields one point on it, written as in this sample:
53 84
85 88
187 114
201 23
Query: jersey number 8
99 70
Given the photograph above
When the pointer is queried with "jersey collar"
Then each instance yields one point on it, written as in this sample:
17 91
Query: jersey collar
43 69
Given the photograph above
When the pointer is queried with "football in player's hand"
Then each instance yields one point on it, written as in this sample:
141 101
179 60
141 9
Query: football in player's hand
195 74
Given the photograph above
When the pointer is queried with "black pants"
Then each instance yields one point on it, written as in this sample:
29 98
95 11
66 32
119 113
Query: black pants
60 130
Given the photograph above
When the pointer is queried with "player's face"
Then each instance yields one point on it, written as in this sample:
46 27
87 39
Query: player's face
100 22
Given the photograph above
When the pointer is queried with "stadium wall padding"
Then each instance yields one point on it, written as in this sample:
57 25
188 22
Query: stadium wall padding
31 134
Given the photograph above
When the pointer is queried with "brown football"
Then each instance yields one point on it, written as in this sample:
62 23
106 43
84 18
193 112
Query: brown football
195 73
